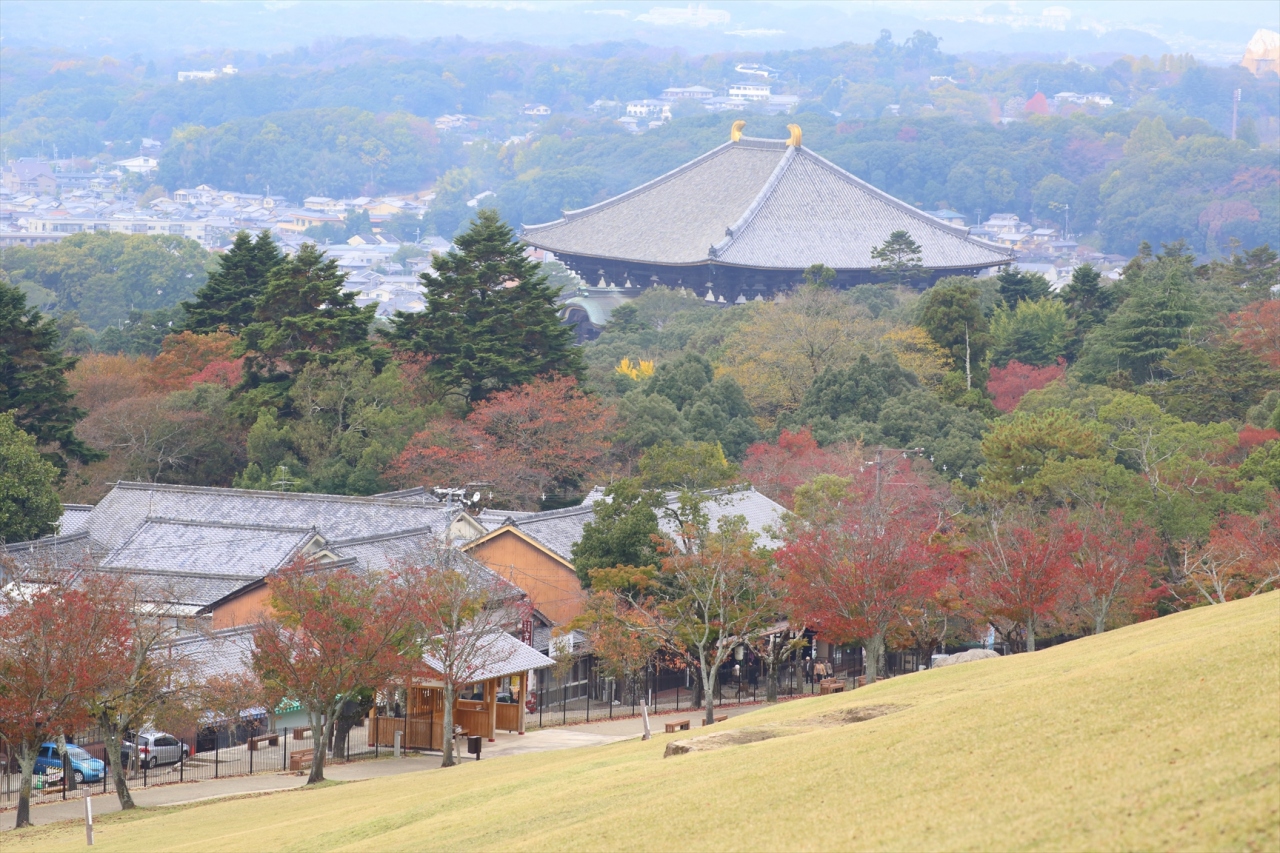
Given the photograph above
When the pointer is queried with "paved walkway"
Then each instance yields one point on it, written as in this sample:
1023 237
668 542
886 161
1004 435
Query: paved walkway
541 740
190 792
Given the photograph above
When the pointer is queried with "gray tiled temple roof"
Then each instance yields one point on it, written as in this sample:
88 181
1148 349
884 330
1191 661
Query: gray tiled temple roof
381 553
75 518
561 529
758 203
247 550
117 515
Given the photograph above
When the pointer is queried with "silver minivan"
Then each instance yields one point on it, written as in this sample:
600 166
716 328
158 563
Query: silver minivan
154 748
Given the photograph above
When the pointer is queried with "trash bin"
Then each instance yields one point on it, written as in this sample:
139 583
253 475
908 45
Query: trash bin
473 745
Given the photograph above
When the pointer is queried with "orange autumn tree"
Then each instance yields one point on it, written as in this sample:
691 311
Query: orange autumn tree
186 355
331 633
532 443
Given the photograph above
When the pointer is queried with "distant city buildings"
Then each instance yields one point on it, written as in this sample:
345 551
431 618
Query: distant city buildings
213 73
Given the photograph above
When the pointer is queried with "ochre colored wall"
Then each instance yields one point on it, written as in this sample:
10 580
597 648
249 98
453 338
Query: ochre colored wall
242 610
551 586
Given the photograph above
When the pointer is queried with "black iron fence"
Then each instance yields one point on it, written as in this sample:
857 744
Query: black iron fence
289 749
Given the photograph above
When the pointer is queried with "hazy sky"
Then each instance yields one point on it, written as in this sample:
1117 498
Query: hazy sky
1214 31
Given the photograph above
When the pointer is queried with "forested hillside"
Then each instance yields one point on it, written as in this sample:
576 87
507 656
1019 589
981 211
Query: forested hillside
356 118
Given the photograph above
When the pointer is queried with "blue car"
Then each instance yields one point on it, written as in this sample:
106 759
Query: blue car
84 766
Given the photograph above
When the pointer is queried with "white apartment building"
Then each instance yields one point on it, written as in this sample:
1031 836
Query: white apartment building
749 92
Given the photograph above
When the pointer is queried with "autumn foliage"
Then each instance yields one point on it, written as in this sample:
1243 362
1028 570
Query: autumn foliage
534 442
1257 328
777 470
1011 383
1022 569
860 551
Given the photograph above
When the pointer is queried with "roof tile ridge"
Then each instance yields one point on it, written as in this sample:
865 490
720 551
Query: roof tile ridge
379 537
365 500
31 544
563 512
77 506
735 230
570 215
235 525
924 218
172 573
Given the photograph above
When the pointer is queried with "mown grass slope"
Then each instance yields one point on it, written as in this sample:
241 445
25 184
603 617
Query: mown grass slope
1164 735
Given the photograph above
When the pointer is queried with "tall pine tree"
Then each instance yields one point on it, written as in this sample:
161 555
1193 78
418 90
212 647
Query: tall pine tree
33 382
230 295
490 321
303 316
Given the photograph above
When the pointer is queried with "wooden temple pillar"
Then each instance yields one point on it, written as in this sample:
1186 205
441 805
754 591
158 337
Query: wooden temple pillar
491 700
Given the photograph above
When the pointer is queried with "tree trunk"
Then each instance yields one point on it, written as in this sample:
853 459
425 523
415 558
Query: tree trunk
27 765
446 728
1031 635
319 741
709 674
773 668
111 738
697 691
1100 621
871 650
68 772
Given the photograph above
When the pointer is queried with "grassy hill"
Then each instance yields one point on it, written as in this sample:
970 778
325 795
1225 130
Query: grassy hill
1164 735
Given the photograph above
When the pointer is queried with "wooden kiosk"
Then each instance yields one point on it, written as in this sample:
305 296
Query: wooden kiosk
505 670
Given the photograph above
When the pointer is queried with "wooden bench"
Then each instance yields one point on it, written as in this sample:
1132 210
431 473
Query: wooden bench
831 685
302 733
719 719
678 726
301 759
270 739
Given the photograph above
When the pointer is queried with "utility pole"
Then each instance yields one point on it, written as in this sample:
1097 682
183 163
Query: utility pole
1235 110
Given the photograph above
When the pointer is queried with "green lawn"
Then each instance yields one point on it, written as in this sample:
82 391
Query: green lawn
1164 735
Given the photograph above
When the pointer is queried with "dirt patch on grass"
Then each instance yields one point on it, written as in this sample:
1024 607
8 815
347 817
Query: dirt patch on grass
719 740
755 734
848 716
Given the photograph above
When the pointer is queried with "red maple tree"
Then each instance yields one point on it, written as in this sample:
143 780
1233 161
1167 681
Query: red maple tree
532 442
1257 328
331 632
859 550
777 470
62 640
1009 384
1110 570
1021 568
185 355
1240 560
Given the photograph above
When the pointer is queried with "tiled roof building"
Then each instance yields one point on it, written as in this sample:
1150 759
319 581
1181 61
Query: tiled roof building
745 220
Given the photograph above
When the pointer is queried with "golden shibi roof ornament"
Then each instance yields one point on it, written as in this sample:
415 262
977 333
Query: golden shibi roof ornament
735 132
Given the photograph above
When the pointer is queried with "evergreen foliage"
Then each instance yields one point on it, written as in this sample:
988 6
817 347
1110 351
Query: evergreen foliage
304 316
490 321
623 531
1017 286
1150 324
1088 303
683 401
857 392
229 297
29 506
33 382
952 315
900 257
1036 332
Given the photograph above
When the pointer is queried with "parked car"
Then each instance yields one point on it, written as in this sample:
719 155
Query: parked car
154 748
84 766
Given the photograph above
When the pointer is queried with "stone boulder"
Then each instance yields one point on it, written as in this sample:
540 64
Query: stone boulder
963 657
